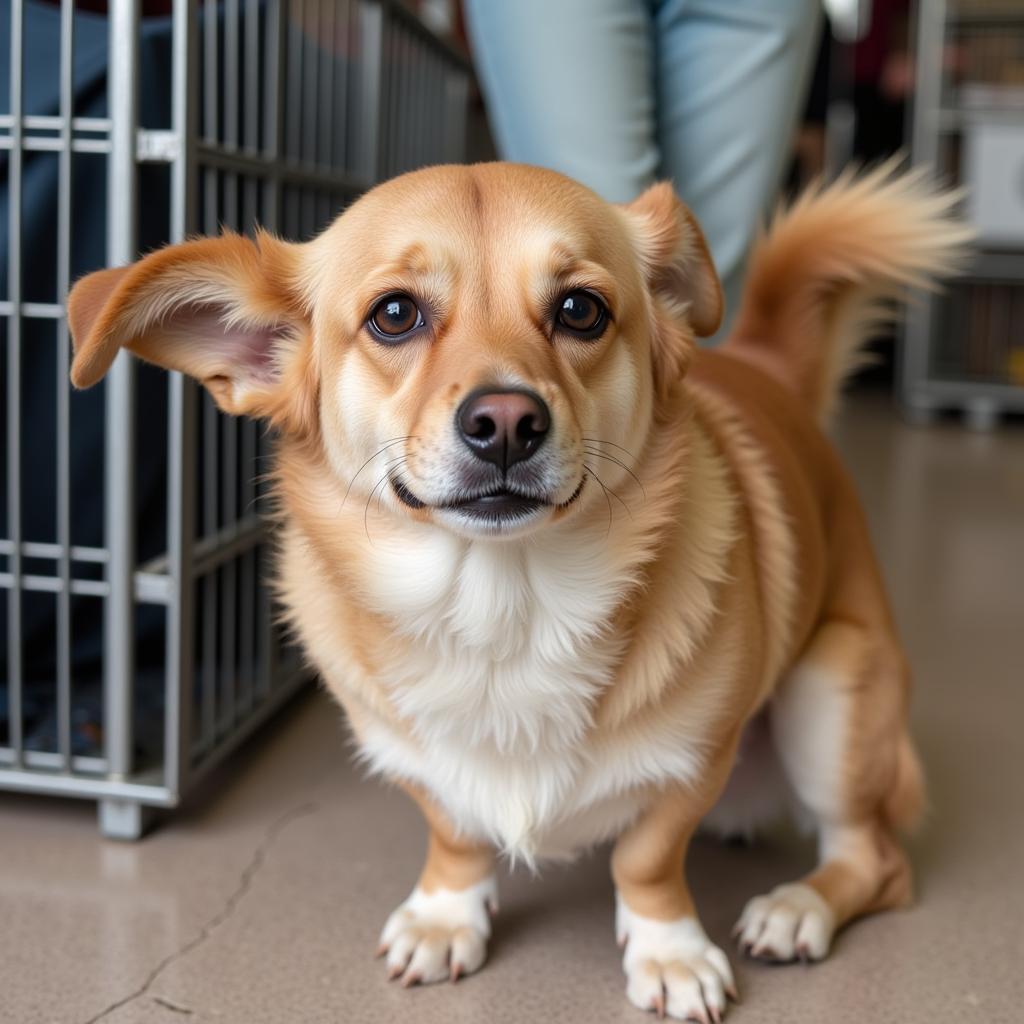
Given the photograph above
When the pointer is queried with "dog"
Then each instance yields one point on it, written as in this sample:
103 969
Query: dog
571 577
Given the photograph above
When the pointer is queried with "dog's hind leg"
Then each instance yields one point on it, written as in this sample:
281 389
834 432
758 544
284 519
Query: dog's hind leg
838 722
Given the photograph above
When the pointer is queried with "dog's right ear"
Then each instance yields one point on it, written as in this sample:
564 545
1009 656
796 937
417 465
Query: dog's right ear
227 311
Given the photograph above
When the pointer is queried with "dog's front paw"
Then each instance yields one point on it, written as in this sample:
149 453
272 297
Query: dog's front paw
793 922
673 968
434 936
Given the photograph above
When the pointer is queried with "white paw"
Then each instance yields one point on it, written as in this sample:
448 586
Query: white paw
673 968
439 935
793 922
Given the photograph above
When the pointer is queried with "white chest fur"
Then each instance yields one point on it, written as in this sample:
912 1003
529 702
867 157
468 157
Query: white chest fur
512 648
509 647
508 651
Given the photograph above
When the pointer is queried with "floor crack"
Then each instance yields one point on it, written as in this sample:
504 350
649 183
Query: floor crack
169 1005
245 880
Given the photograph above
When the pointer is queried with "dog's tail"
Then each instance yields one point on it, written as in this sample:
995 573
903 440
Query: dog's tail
824 274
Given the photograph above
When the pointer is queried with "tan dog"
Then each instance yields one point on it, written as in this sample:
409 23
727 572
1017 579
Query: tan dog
565 572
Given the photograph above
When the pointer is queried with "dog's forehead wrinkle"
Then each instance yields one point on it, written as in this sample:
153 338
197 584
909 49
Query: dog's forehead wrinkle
565 257
420 257
476 196
423 258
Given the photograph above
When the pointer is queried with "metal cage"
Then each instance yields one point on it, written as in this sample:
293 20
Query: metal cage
243 112
964 349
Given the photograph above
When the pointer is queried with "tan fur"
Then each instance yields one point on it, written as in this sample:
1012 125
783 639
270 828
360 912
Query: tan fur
743 578
647 856
829 266
452 861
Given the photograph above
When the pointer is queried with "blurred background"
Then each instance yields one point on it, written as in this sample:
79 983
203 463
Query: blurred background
137 645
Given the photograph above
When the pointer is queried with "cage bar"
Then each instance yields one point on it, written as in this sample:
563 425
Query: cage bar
14 636
122 87
63 401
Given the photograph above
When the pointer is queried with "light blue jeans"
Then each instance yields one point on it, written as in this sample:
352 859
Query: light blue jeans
619 93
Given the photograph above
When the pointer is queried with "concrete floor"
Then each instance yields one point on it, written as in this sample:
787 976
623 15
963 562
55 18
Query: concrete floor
262 902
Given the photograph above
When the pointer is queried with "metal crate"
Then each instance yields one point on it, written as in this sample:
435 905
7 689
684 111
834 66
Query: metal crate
275 112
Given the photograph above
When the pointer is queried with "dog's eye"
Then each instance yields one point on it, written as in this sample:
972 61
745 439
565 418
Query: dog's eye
582 313
394 317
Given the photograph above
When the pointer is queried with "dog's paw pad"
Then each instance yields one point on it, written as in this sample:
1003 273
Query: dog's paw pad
673 968
793 922
439 936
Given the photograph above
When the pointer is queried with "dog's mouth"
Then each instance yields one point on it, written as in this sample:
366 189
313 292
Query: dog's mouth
498 505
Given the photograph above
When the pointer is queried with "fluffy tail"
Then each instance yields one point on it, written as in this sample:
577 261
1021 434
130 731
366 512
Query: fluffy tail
823 276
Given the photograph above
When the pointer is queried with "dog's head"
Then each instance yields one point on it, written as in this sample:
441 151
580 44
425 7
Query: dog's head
477 344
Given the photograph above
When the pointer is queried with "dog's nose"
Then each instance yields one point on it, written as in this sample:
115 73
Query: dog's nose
503 427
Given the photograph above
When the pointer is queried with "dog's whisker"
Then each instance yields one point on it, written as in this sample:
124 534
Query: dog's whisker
607 498
380 451
392 473
612 444
610 491
366 509
618 462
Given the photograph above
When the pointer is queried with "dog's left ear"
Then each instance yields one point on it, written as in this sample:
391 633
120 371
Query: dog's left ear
675 257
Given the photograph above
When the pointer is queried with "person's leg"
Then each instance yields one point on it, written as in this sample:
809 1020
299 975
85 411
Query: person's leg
731 77
569 85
